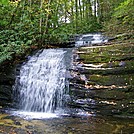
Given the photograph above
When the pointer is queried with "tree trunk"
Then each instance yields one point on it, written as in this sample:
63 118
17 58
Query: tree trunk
47 17
80 9
76 15
40 24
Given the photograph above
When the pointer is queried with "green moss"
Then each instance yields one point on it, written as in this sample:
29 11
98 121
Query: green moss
107 53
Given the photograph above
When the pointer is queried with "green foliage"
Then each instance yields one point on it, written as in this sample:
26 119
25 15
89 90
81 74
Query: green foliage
12 43
26 23
59 35
16 37
125 12
91 26
4 2
5 15
4 53
8 51
122 19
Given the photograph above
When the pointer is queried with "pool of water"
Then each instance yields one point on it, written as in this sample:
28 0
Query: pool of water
65 124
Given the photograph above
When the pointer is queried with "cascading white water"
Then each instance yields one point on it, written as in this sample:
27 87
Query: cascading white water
90 39
41 83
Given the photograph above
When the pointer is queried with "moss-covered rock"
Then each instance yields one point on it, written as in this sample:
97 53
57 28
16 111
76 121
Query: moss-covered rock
109 72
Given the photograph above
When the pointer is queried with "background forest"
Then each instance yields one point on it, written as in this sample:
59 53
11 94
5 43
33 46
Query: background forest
28 24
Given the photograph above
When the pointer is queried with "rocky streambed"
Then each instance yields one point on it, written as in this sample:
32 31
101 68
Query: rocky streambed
102 80
101 84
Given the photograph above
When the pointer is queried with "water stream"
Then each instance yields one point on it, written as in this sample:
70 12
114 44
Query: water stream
42 84
41 94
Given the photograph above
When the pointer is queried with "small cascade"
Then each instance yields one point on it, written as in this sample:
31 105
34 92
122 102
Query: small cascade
40 87
91 39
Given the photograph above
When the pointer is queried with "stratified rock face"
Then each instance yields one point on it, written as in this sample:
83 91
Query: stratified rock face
103 80
6 82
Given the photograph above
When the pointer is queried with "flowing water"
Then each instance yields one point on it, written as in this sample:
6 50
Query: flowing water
41 94
41 84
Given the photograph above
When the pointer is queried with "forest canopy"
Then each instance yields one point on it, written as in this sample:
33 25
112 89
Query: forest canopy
24 23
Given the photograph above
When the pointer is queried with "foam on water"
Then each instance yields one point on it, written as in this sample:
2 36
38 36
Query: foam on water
34 115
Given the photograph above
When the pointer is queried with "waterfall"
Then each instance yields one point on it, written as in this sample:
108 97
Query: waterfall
40 86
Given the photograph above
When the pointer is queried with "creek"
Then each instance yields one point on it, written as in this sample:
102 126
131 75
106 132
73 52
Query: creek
49 98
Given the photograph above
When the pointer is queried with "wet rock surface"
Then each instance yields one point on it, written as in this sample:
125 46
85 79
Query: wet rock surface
7 78
107 83
97 86
66 125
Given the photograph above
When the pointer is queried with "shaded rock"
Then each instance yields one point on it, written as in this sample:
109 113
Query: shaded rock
7 79
17 123
5 95
5 89
110 72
